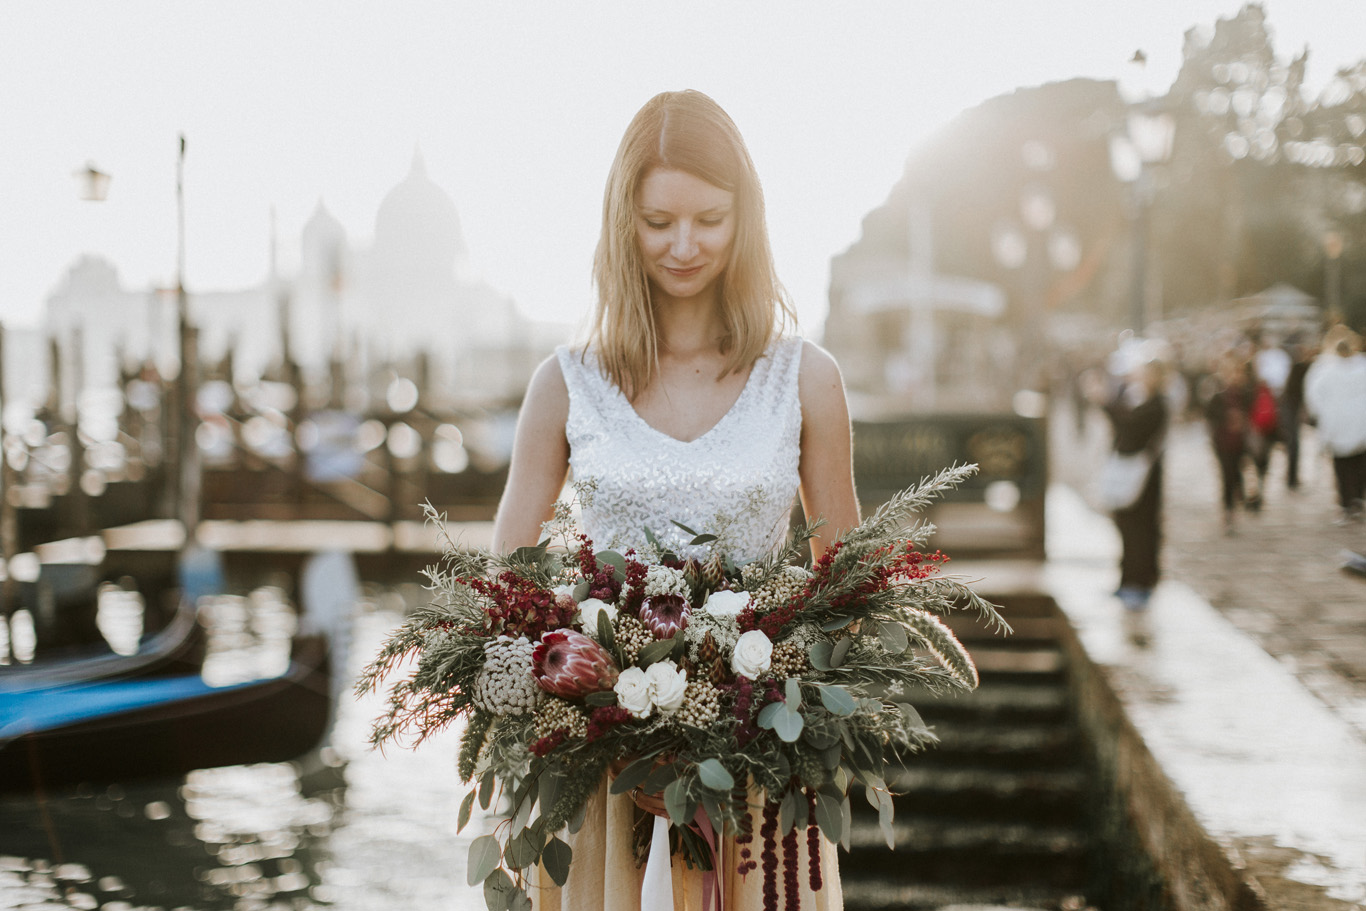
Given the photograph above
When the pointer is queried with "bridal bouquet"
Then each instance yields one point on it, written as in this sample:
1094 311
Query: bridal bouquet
722 687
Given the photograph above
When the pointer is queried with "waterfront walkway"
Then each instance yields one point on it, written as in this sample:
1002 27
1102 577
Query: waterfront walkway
1249 691
1278 578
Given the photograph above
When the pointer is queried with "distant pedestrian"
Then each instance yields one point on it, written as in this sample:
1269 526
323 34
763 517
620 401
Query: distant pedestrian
1227 416
1292 410
1140 415
1335 394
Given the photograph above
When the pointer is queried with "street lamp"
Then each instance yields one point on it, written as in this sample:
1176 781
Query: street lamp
1145 142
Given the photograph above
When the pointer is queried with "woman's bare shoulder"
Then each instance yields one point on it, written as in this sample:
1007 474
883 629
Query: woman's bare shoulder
547 390
819 377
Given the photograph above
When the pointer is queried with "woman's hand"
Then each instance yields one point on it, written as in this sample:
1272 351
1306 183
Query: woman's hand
650 803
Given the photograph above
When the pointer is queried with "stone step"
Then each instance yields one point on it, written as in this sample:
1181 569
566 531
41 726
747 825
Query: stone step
1051 797
938 850
1017 746
1026 701
895 893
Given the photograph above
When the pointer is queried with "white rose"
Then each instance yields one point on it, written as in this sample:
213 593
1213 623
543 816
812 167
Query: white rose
588 614
726 603
563 590
667 684
634 692
753 654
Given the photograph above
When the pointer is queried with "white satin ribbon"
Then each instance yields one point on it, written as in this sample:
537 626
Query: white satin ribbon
657 888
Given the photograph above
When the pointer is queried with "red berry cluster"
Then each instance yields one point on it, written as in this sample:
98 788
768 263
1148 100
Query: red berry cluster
604 717
602 581
549 742
813 843
769 832
523 608
792 899
635 585
743 708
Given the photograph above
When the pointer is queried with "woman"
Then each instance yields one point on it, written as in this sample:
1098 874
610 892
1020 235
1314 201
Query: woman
687 405
1335 392
1139 416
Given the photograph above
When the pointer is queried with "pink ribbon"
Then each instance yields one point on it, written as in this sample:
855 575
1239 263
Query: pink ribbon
713 881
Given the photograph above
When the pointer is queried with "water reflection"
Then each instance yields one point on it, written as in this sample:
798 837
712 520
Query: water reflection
344 828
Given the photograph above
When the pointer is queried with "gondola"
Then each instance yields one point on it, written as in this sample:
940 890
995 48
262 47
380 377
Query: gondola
177 648
128 728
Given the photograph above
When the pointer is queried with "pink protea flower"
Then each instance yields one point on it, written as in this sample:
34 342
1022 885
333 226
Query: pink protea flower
665 615
569 664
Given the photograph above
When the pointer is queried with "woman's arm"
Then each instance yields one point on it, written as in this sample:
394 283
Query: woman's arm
540 460
827 464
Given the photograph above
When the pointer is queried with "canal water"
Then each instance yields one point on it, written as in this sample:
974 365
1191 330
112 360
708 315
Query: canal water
350 828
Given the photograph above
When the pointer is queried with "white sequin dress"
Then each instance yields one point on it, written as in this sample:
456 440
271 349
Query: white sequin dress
738 481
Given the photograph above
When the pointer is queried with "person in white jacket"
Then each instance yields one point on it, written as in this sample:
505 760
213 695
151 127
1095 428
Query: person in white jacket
1335 394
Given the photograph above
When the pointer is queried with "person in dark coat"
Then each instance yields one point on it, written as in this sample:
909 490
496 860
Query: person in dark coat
1140 416
1226 414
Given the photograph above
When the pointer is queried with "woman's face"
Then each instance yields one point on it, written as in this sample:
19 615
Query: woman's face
685 228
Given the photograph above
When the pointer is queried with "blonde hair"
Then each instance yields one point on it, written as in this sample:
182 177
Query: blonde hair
684 131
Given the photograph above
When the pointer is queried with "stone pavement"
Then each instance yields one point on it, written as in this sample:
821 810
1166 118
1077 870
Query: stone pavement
1278 578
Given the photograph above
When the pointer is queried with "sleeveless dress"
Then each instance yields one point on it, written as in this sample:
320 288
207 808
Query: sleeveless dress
738 481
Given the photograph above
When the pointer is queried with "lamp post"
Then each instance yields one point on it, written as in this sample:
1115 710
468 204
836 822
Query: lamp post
92 184
1135 152
188 476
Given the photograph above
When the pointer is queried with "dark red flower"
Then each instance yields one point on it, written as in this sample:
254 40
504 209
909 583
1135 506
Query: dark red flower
665 615
569 664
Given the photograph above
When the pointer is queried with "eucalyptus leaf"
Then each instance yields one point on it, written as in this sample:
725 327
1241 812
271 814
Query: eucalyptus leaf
892 635
840 650
632 775
768 713
788 725
483 859
533 554
606 635
581 590
486 790
828 815
837 700
702 539
519 900
522 815
603 698
466 808
555 856
820 738
886 812
831 756
820 655
498 889
787 813
676 802
685 528
784 767
659 778
655 651
793 692
615 560
913 719
522 851
846 822
714 775
835 623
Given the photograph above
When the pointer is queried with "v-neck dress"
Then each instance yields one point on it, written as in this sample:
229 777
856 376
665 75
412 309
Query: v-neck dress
738 481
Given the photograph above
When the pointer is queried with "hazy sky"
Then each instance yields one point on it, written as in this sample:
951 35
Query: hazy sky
517 108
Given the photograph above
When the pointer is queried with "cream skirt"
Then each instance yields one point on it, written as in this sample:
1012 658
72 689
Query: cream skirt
603 875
